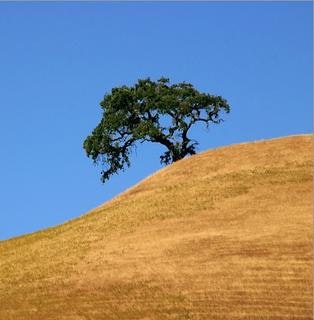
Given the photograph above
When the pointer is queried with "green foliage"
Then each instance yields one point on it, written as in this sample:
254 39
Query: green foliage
150 111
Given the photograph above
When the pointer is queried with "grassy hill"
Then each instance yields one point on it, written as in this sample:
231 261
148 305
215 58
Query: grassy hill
225 234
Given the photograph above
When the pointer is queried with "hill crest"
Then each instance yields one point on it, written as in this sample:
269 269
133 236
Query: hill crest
225 234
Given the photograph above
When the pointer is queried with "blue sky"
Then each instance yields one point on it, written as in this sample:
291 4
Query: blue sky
58 59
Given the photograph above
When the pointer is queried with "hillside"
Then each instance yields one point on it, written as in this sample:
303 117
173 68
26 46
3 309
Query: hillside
225 234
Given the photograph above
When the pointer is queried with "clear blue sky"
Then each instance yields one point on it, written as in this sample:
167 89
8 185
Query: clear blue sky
59 59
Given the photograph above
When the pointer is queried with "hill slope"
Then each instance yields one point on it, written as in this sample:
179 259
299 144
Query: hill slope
225 234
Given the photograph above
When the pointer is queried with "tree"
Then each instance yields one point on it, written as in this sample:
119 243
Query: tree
150 111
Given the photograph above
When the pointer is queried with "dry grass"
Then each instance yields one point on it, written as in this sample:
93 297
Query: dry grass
226 234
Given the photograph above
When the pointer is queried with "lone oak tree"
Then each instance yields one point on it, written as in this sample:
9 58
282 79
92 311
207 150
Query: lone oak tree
150 111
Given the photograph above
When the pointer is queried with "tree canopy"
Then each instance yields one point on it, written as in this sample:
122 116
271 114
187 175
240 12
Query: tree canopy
153 111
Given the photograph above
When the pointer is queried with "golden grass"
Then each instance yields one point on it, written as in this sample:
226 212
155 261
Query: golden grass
225 234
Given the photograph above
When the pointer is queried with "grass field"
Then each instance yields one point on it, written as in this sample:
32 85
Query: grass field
225 234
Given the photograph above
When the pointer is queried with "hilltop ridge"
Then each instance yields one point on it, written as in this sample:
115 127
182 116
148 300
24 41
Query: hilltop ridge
224 234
